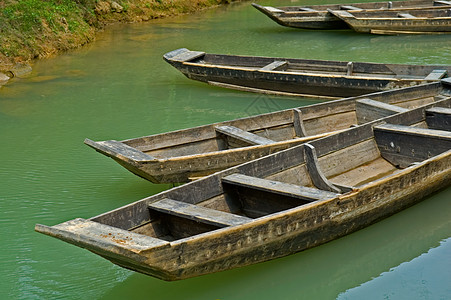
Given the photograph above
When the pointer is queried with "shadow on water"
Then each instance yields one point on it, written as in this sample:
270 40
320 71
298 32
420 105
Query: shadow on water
320 273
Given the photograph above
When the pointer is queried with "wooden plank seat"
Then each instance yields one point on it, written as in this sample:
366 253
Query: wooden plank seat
307 9
406 16
188 55
404 145
274 65
349 7
115 148
198 213
244 136
368 110
439 118
277 187
441 2
436 75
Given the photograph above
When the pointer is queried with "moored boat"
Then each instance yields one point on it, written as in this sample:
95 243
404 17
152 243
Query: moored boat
415 21
279 204
185 155
318 16
299 77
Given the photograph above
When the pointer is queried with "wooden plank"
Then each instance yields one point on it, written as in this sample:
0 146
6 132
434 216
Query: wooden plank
406 15
368 110
307 9
188 56
277 187
274 65
439 118
198 213
115 148
298 123
273 9
404 145
317 176
244 136
436 75
441 2
349 7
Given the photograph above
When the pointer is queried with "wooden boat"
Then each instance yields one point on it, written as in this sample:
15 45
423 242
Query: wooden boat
299 77
416 21
279 204
184 155
318 16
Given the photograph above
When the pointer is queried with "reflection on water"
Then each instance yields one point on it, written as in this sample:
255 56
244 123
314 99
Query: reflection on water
120 87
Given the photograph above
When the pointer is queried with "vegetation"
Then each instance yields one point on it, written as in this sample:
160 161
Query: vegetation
32 29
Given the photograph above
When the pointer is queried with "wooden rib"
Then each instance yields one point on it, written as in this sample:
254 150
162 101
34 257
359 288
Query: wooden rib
317 176
298 123
198 213
277 187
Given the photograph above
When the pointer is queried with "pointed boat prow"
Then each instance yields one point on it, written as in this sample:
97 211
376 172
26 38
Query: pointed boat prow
118 150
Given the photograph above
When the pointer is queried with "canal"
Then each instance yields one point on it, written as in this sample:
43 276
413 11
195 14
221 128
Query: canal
119 87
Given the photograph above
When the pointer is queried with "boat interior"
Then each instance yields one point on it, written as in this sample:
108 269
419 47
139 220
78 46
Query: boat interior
298 123
436 12
316 171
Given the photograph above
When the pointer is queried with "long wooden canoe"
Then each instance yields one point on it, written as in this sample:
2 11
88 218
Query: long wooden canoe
415 21
318 16
184 155
299 77
279 204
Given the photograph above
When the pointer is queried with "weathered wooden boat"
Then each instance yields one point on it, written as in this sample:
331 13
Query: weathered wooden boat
415 21
318 16
184 155
299 77
279 204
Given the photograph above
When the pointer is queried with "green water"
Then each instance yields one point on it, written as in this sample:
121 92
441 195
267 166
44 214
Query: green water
120 87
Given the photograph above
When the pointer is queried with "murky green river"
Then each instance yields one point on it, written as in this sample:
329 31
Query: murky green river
119 87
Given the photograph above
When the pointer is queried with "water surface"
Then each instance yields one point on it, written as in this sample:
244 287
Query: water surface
119 87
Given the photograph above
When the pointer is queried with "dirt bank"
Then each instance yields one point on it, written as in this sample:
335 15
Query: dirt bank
34 29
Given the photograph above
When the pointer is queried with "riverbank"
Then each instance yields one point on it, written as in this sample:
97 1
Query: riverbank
35 29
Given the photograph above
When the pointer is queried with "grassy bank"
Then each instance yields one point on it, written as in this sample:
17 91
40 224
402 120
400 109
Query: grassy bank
31 29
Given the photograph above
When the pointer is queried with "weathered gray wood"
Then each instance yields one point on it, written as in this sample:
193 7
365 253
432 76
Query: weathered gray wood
349 7
404 145
115 148
298 123
198 213
188 55
439 118
350 68
307 9
406 15
436 75
442 2
368 110
274 65
242 135
277 187
317 176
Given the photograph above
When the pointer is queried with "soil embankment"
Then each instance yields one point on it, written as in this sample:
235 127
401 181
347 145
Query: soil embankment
33 29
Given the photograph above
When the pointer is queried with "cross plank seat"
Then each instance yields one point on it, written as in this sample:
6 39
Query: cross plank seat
188 55
307 9
242 135
436 75
277 187
274 65
368 110
406 15
404 145
115 148
439 118
349 7
441 2
198 213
